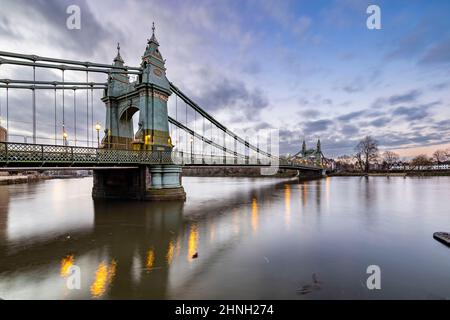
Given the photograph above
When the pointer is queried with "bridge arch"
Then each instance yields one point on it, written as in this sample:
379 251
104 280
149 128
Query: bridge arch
128 113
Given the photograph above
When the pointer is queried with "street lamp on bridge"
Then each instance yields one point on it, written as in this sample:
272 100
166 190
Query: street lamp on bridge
98 127
65 136
192 150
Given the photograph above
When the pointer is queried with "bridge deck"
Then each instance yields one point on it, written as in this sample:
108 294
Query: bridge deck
27 156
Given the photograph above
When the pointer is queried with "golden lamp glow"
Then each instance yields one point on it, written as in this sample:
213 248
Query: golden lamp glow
254 215
150 259
98 126
287 204
66 263
147 139
170 252
193 242
103 278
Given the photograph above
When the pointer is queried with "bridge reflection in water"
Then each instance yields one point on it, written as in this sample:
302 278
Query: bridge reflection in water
128 249
244 238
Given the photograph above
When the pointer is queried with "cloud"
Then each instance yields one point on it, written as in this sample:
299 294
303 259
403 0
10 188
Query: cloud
411 44
231 95
410 96
351 115
349 130
414 113
247 63
49 23
6 29
283 14
355 86
438 53
380 122
309 113
317 126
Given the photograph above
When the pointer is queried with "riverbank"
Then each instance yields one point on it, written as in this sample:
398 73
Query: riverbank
7 180
392 174
234 172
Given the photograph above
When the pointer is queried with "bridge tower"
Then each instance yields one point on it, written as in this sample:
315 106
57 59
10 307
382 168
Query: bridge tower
148 95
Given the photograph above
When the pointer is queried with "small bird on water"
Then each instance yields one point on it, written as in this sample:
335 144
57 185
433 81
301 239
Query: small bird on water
195 255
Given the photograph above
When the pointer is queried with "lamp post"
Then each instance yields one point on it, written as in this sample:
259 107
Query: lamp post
98 127
192 150
65 136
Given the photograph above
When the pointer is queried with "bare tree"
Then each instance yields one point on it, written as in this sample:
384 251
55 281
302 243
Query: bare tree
389 158
420 161
366 152
359 161
447 153
345 163
440 156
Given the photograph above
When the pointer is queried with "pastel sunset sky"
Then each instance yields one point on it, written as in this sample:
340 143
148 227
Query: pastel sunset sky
308 68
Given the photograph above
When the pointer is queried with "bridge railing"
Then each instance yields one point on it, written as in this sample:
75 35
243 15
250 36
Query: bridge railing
24 154
40 153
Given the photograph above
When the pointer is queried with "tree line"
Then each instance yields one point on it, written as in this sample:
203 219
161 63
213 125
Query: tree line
367 157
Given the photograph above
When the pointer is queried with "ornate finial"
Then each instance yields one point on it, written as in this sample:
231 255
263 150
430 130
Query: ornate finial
118 58
153 38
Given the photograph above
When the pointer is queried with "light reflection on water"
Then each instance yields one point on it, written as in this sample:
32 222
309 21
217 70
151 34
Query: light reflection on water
255 238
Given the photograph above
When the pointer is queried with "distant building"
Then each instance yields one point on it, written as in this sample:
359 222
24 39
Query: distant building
310 156
400 165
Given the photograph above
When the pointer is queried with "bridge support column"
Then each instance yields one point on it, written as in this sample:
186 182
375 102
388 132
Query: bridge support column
310 174
147 183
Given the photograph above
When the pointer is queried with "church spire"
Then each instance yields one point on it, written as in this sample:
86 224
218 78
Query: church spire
303 148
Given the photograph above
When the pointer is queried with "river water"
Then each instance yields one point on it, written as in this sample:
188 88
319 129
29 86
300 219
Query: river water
234 238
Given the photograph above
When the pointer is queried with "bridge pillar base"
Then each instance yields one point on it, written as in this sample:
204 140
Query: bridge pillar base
152 183
309 174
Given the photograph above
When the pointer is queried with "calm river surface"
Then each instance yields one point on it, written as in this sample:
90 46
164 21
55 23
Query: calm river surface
255 239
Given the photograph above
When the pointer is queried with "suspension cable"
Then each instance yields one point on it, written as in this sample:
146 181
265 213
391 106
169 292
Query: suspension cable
210 148
87 109
92 114
63 110
176 118
7 112
34 105
203 134
186 126
56 126
193 138
75 115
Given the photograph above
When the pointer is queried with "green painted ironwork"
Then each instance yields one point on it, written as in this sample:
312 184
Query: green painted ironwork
42 155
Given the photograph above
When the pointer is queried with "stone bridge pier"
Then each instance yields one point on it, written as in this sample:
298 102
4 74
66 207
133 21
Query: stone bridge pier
148 94
149 183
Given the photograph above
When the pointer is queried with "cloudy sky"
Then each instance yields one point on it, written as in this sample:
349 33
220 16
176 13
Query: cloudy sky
308 68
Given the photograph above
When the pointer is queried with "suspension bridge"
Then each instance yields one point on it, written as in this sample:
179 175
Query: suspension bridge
144 164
